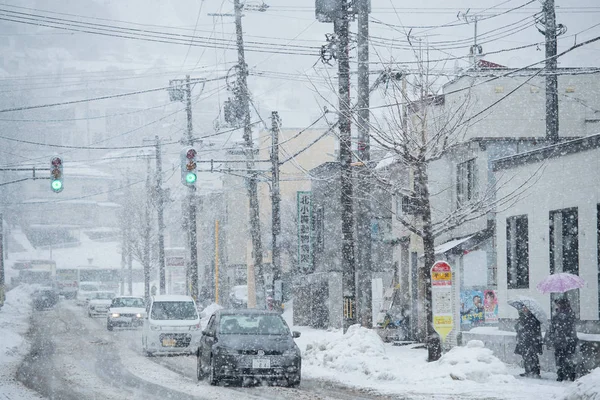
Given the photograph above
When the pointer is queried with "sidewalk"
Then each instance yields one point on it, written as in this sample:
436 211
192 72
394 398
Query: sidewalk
503 344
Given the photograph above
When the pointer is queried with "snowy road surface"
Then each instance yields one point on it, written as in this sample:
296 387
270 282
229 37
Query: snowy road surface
74 357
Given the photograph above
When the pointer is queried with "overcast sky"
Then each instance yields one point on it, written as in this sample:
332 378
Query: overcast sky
443 34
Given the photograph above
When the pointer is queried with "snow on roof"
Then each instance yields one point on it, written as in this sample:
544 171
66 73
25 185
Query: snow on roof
444 247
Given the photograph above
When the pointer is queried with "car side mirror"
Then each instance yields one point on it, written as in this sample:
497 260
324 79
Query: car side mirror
295 334
207 333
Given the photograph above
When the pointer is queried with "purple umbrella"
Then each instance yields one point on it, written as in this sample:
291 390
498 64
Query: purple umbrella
560 283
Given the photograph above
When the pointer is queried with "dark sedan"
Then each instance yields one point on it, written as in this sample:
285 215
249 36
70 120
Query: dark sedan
248 344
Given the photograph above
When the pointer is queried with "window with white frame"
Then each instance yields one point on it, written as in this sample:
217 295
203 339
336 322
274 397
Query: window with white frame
466 182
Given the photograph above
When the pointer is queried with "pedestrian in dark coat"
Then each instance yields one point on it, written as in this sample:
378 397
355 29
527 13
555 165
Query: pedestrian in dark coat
562 335
529 342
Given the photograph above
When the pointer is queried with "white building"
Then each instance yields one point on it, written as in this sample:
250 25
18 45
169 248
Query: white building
554 226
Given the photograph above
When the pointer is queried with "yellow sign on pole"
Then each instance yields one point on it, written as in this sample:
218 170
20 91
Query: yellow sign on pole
441 298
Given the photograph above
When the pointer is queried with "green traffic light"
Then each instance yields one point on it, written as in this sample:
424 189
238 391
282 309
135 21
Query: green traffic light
190 177
57 186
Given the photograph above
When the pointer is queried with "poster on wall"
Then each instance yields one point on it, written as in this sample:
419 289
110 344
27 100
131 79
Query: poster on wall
490 306
471 307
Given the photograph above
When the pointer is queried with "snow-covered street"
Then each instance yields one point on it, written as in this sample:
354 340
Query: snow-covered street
68 355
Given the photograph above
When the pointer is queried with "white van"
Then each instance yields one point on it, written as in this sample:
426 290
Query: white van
84 292
171 326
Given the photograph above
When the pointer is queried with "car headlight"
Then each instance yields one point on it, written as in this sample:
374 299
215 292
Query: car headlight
155 327
290 353
138 315
115 315
226 350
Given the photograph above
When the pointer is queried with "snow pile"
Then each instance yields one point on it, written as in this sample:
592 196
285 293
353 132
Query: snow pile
14 323
472 362
585 388
360 350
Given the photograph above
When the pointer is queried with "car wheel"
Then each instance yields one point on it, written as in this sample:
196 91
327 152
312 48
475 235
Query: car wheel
109 326
213 378
199 371
293 381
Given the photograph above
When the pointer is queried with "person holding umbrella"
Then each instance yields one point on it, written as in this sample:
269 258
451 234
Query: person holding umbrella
529 342
562 333
563 337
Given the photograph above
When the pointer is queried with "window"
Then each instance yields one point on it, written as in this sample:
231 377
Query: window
466 182
517 252
564 249
564 241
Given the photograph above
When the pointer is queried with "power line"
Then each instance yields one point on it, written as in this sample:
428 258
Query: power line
98 98
147 35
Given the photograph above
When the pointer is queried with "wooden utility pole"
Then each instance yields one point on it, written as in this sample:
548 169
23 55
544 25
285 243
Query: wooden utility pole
344 115
244 103
364 214
275 211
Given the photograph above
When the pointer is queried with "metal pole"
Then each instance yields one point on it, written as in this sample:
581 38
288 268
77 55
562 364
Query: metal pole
217 261
252 186
192 236
551 77
129 244
364 215
348 261
161 223
275 204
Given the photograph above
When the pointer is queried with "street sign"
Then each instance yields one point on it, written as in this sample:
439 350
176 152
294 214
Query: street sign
441 298
304 204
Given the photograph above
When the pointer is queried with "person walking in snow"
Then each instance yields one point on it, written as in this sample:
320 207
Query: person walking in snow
563 337
529 342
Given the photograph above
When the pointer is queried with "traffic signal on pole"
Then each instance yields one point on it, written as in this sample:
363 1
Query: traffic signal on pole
56 174
188 166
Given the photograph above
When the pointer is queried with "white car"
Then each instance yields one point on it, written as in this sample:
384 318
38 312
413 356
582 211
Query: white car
172 326
99 303
126 311
84 292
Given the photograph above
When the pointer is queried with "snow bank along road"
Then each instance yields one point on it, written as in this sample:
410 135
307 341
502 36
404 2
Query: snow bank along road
74 357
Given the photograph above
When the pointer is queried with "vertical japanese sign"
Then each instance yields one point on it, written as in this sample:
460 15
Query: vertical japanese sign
304 201
441 298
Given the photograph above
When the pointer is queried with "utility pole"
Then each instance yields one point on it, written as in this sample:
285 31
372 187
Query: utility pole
550 33
244 103
129 245
161 224
147 232
123 252
364 215
348 261
275 212
181 90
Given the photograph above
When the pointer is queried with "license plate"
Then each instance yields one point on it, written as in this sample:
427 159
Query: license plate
169 342
261 363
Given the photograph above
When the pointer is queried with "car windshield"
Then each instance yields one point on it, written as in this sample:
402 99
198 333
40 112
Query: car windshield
128 302
103 295
173 310
240 324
